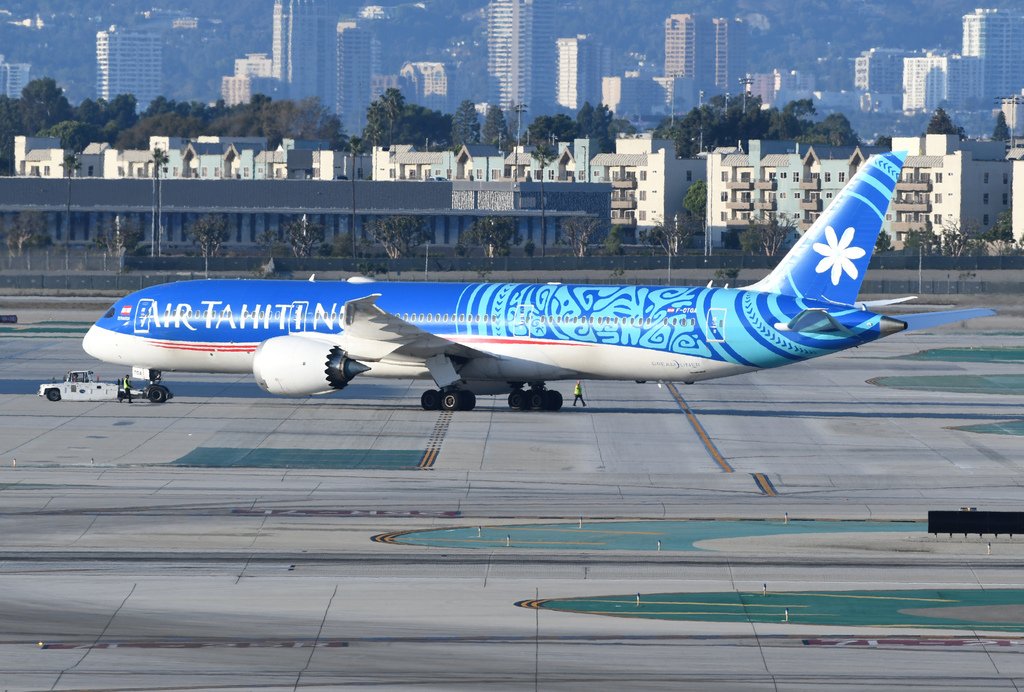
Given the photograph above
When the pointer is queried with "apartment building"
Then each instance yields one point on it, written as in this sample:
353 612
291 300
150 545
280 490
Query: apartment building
936 78
14 76
253 74
521 52
355 74
1016 159
994 36
425 83
786 180
579 72
948 181
649 183
129 61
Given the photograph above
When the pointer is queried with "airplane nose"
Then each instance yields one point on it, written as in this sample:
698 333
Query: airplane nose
95 344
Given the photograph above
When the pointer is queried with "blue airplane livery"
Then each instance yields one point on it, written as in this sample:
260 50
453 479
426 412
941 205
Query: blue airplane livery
314 337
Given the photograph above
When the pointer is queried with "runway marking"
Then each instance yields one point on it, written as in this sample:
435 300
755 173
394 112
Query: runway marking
699 429
436 440
764 485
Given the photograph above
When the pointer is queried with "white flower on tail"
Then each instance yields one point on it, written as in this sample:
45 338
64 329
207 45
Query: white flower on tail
838 255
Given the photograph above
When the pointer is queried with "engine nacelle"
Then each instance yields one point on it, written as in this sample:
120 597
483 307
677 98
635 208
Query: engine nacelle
299 366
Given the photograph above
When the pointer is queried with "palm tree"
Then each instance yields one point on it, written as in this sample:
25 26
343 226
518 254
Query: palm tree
394 104
159 158
71 167
355 148
544 156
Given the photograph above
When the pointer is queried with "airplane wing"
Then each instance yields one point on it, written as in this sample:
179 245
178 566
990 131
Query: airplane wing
372 334
925 320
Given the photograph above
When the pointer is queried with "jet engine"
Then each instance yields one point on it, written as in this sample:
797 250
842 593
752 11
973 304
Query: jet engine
299 366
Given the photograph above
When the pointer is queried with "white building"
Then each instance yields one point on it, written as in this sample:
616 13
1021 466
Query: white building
305 48
425 83
249 71
934 79
355 72
996 37
521 53
579 72
129 61
649 183
1016 158
945 180
879 71
14 76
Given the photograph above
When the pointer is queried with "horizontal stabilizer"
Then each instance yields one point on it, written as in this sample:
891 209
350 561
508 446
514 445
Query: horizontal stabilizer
872 304
926 320
813 320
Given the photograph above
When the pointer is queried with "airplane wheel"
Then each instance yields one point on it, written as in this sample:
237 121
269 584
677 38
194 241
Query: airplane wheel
157 394
467 400
53 394
552 400
535 399
450 401
430 400
517 399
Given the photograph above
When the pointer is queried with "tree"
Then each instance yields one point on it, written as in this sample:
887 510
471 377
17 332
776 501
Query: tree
922 240
209 233
304 236
961 237
884 141
1001 132
551 129
159 159
495 130
74 136
942 124
120 238
465 125
397 234
417 124
613 241
672 235
10 126
767 234
496 234
544 156
267 241
392 104
696 200
884 242
597 124
43 105
1000 238
28 231
579 231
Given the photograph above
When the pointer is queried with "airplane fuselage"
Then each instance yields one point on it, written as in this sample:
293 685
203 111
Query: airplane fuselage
535 331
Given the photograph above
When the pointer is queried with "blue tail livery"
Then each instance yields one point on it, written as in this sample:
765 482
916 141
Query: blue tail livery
299 338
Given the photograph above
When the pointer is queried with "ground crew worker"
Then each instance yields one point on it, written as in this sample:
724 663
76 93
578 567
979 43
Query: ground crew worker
577 393
126 386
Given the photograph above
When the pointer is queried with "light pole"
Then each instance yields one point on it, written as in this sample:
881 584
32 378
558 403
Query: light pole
700 108
519 108
745 84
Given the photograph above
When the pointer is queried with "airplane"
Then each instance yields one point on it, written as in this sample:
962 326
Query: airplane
301 338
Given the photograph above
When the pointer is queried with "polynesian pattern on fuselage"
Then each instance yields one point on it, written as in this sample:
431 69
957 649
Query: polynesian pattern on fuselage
674 320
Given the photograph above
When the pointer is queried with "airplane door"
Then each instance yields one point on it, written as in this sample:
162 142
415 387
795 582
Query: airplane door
297 317
145 313
716 325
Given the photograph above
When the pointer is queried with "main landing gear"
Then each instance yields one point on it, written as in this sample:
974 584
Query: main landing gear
450 400
537 398
154 391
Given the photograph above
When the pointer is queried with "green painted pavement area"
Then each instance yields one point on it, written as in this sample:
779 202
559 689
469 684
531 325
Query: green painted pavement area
264 457
970 355
998 609
964 384
632 535
1009 427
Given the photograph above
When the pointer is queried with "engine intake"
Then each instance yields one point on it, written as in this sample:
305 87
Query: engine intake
299 366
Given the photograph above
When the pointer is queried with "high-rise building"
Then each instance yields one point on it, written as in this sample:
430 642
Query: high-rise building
521 52
879 71
425 83
252 72
997 38
706 50
579 72
305 49
13 77
355 72
129 61
935 78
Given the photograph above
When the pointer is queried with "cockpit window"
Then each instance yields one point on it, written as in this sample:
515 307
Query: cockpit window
109 313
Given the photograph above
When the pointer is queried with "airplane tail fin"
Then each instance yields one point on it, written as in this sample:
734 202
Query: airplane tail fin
829 261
